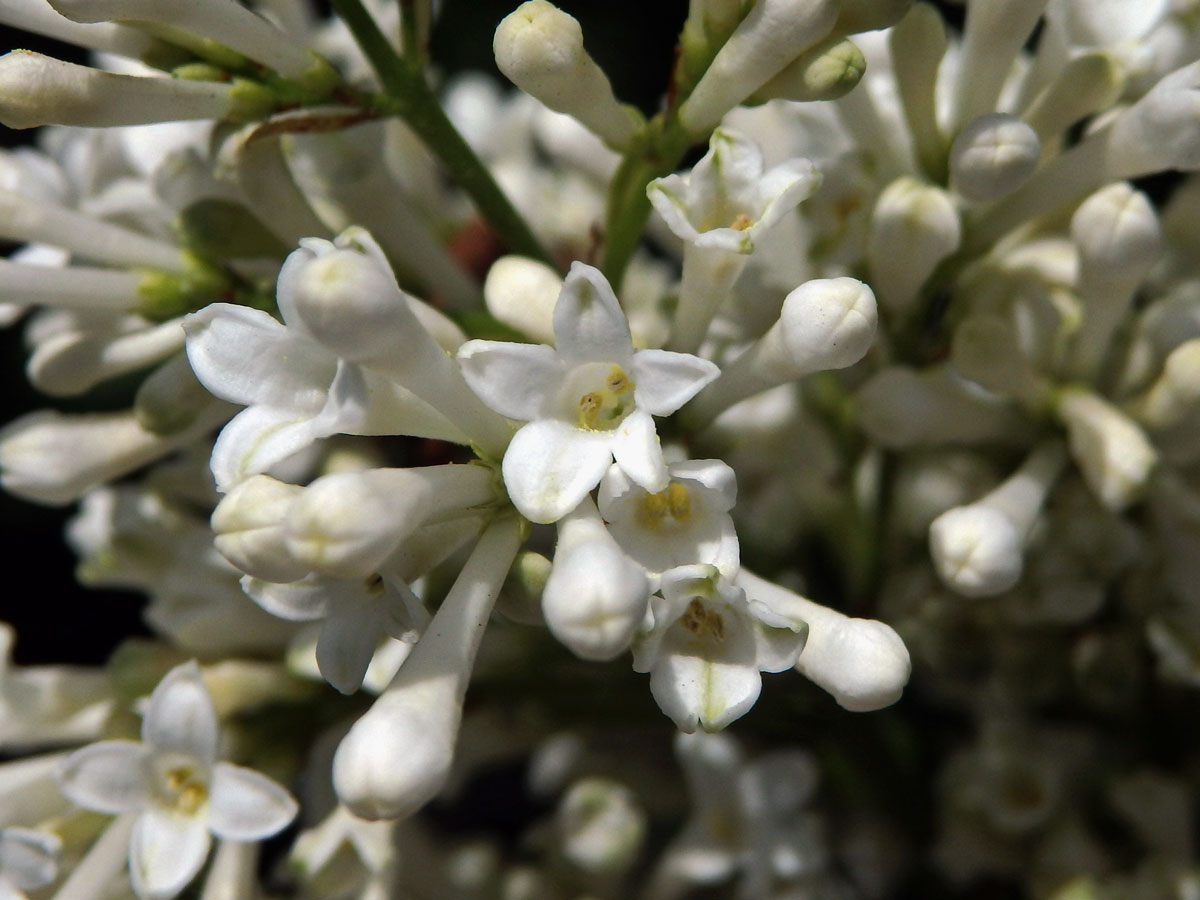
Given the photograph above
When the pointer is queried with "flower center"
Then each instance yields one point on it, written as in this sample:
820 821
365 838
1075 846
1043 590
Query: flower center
702 621
742 222
671 508
185 789
604 408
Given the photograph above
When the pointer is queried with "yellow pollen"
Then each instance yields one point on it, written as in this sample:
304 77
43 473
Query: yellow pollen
603 410
672 507
185 792
742 222
702 621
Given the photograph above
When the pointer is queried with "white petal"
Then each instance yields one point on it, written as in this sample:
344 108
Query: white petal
699 692
669 197
516 380
347 643
165 853
783 187
589 325
256 439
246 805
180 716
778 639
298 601
107 777
28 858
549 467
345 408
638 453
714 475
245 356
666 380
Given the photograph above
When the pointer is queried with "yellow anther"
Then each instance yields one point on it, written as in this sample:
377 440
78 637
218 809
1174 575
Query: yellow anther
672 507
603 409
618 382
186 791
192 798
742 222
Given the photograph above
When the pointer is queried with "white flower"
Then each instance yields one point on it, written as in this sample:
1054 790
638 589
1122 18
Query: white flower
706 644
28 860
172 779
587 401
687 523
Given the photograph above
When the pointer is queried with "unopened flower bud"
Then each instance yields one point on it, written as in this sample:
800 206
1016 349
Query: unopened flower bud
40 90
993 156
1113 453
540 50
521 293
593 616
1176 393
863 663
914 226
769 38
825 72
249 527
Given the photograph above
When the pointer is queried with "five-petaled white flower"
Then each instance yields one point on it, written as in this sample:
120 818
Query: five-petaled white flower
705 646
28 860
587 400
172 778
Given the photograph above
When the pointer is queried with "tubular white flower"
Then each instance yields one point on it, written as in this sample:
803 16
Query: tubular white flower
914 226
771 36
53 458
993 156
863 663
92 875
994 34
978 550
40 18
1119 240
345 295
917 45
249 528
1113 453
705 646
521 293
223 21
826 323
825 72
720 210
1087 84
25 218
595 617
588 400
689 522
348 523
40 90
539 48
397 756
179 791
1175 394
74 360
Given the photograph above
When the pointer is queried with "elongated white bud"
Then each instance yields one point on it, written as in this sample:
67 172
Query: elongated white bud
993 156
540 50
249 527
1119 240
40 90
863 663
1176 393
978 550
1087 84
914 226
1113 453
826 323
594 616
39 17
397 757
769 38
824 72
521 293
348 523
994 33
918 43
224 21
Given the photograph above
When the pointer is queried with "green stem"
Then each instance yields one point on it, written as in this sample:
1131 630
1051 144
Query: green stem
654 156
409 97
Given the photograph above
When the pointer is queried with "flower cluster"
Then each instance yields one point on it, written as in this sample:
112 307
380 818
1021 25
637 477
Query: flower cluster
456 413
